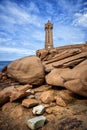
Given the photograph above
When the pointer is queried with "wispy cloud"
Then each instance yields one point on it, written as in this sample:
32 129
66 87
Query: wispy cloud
64 35
22 25
81 19
15 14
5 52
16 50
32 7
3 40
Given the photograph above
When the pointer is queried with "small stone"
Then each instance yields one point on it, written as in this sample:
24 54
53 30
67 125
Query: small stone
48 111
42 88
50 117
60 101
31 91
52 104
46 105
23 87
48 96
38 110
31 97
36 122
29 103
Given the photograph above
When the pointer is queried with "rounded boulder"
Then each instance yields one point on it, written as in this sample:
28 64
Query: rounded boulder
27 70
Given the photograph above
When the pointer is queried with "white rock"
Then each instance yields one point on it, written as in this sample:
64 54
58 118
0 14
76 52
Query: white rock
31 91
38 110
36 122
31 97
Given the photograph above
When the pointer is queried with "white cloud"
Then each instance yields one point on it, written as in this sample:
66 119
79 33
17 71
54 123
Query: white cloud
33 8
17 50
85 3
24 24
15 14
49 8
3 40
64 35
81 19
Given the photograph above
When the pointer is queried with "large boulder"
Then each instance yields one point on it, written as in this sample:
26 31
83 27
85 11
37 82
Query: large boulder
27 70
73 79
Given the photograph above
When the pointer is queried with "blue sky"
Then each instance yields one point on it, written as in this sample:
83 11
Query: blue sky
22 25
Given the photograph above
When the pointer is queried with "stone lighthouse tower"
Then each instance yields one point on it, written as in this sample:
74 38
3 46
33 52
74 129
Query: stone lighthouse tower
48 35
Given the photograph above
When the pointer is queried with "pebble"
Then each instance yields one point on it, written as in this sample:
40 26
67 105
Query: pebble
36 122
38 110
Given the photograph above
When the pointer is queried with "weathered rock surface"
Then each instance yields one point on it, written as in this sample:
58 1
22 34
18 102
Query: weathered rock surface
54 77
63 55
5 94
73 79
23 87
42 88
13 93
4 97
18 94
66 95
61 52
69 62
27 70
42 54
36 122
68 123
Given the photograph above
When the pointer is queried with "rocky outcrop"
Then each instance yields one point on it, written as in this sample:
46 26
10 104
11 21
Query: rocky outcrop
27 70
73 79
66 67
58 98
13 93
46 55
59 104
61 61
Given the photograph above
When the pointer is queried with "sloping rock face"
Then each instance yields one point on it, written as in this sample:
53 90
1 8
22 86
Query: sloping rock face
50 54
66 67
27 70
72 79
13 93
66 59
